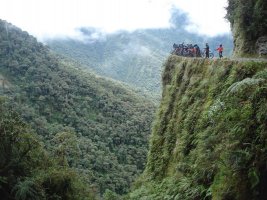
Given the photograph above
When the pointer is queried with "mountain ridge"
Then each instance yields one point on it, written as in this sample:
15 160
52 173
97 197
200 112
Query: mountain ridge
64 102
135 58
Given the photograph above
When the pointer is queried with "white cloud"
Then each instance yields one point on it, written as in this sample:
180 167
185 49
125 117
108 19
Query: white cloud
207 16
50 18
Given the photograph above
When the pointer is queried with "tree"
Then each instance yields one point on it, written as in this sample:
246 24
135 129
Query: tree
66 148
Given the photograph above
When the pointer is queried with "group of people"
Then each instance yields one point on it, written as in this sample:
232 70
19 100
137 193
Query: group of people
219 49
186 50
190 50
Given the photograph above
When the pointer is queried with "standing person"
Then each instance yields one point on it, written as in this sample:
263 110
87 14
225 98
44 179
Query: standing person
197 51
207 50
220 50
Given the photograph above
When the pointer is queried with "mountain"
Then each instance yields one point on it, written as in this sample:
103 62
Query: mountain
209 137
249 26
135 57
95 126
122 57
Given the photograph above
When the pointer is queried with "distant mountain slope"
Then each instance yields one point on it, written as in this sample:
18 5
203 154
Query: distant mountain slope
123 57
133 57
108 123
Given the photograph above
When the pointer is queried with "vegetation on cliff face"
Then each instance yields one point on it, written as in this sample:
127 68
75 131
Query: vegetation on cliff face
209 138
93 125
248 20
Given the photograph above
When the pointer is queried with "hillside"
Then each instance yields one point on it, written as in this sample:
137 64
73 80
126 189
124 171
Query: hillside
27 170
135 57
122 57
209 138
96 126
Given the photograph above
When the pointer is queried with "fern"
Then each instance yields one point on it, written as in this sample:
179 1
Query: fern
27 190
261 74
241 85
215 108
3 180
253 177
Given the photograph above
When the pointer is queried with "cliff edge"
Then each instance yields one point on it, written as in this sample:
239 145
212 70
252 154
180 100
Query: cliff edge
209 138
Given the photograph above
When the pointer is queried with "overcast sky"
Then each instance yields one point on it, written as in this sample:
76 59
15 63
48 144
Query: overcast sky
50 18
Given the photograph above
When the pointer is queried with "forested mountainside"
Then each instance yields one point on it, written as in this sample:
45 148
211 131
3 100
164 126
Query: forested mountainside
97 127
209 138
27 171
248 20
135 57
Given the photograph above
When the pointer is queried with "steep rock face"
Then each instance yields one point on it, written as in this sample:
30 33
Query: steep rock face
248 20
261 46
209 138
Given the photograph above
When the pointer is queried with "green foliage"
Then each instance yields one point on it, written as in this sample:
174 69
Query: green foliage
27 190
65 147
96 126
109 195
209 138
26 170
248 19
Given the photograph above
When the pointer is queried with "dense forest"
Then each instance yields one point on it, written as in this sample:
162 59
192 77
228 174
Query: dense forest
96 127
69 134
135 58
27 170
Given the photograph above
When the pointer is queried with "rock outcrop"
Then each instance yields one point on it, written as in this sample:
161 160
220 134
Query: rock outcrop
248 20
261 46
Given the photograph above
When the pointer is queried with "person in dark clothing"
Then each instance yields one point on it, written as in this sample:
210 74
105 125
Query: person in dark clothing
197 51
207 49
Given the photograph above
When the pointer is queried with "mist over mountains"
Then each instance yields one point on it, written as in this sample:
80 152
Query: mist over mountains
134 57
74 126
88 124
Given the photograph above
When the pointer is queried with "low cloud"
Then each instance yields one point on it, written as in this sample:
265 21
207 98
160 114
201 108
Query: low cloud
64 18
136 49
206 17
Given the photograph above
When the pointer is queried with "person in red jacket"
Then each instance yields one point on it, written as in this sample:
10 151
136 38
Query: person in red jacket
220 50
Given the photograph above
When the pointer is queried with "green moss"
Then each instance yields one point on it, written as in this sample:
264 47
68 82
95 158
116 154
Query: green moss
209 138
248 23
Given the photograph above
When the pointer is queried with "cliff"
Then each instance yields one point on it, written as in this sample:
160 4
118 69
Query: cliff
209 138
248 20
